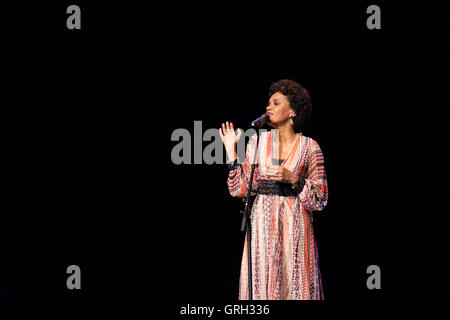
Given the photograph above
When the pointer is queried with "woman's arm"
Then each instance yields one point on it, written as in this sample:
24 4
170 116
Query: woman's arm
239 175
314 195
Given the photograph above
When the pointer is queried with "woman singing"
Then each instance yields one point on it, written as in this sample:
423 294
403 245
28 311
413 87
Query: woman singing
290 183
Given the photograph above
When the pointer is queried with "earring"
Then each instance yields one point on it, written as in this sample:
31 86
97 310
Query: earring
292 121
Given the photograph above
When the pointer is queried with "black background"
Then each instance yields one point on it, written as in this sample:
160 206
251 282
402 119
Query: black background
86 123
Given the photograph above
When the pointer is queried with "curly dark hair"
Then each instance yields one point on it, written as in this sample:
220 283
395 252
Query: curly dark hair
298 98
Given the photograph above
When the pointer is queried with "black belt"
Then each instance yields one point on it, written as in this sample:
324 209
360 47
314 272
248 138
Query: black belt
276 188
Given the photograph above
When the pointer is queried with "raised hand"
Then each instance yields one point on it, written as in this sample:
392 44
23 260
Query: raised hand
229 139
229 136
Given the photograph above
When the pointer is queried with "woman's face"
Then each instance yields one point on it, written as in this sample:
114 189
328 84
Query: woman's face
279 110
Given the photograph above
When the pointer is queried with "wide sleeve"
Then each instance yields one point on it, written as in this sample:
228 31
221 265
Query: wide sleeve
314 195
239 175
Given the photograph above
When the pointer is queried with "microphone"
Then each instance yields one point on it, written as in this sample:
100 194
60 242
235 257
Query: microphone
258 122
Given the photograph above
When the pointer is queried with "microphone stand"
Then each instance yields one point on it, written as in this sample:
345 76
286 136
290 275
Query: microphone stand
246 215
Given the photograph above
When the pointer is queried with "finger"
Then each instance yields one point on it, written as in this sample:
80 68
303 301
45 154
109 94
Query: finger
274 169
220 133
224 129
231 126
228 126
240 131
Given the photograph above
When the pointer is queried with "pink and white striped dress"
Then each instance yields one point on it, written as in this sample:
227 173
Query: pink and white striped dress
285 263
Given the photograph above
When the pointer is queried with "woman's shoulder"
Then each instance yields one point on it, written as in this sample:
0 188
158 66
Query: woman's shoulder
311 142
307 139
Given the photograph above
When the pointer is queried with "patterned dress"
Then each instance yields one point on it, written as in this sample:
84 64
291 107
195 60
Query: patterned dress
285 263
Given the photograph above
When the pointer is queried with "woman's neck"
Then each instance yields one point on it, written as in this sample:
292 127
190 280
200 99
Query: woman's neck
287 134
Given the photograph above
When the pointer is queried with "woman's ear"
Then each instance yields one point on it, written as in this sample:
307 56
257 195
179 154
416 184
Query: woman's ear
292 113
